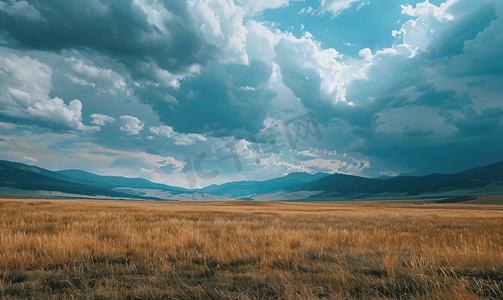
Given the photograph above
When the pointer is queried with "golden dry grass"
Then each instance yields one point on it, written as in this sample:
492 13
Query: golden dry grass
79 249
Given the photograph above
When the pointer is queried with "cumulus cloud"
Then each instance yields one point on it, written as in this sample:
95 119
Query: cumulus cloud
131 125
331 162
274 164
420 92
21 9
314 152
317 76
180 139
428 9
416 93
177 56
102 120
8 126
158 41
335 7
166 131
418 32
261 41
188 139
25 84
105 80
326 165
182 58
207 69
366 54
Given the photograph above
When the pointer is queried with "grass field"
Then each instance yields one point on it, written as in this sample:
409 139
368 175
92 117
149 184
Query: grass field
79 249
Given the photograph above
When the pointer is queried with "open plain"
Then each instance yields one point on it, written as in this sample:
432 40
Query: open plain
84 249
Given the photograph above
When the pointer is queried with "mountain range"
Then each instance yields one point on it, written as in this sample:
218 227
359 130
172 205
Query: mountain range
17 179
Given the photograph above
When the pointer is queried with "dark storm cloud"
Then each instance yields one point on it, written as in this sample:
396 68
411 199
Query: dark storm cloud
403 113
221 99
467 25
119 29
161 51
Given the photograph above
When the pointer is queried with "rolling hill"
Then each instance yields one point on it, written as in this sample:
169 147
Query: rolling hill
484 180
23 177
352 187
116 181
492 172
248 189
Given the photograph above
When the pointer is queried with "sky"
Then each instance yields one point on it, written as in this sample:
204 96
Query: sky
200 92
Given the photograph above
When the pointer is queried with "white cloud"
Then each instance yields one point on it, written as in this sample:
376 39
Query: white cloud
188 139
131 125
25 84
336 7
260 41
30 159
170 99
156 13
100 119
314 152
218 22
361 5
356 167
281 50
306 11
180 139
258 6
5 125
274 164
22 9
366 54
215 28
342 164
163 130
328 63
222 26
332 165
408 10
91 157
105 80
417 33
426 8
247 88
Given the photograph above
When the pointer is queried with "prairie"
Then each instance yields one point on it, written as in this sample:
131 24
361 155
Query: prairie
84 249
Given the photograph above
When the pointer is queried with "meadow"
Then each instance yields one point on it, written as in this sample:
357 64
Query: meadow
83 249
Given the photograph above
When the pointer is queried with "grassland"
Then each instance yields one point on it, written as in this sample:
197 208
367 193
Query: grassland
78 249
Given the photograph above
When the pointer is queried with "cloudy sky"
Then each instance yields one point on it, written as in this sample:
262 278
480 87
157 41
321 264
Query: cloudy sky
251 90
